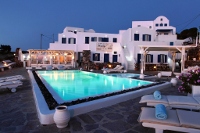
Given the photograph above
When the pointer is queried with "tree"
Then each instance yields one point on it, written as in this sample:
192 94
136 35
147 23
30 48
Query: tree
5 49
192 32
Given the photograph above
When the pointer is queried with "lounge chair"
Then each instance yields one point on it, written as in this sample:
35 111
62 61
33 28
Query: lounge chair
184 102
117 66
177 120
9 63
11 85
11 78
61 67
118 69
49 67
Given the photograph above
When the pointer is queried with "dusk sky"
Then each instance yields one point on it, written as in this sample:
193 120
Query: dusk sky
23 21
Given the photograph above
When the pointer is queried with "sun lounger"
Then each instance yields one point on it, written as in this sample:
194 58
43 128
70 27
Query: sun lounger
61 67
117 66
177 120
118 69
184 102
11 85
49 67
8 63
11 78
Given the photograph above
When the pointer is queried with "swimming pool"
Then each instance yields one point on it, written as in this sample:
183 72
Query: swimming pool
45 114
71 85
125 75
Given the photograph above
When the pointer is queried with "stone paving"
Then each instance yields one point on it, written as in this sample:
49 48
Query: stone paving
18 113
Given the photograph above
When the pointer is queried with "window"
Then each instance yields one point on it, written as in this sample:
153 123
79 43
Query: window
150 27
146 37
114 39
149 58
161 24
96 57
87 40
162 58
156 25
71 40
165 33
139 26
93 39
63 40
103 39
161 19
165 25
136 37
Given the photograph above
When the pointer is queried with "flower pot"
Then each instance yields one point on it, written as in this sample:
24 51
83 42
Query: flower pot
159 75
195 90
61 116
174 81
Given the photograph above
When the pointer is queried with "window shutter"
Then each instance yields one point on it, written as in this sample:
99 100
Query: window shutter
93 57
143 37
165 58
138 59
151 58
159 58
98 57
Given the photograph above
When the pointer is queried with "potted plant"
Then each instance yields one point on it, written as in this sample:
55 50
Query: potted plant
190 82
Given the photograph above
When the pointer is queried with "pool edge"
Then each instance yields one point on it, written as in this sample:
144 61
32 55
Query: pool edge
46 116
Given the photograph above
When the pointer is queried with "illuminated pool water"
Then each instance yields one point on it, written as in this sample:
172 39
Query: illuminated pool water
74 84
125 75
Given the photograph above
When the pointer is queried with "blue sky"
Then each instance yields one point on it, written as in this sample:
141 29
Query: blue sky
23 21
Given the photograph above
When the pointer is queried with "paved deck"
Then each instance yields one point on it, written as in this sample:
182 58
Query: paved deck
18 113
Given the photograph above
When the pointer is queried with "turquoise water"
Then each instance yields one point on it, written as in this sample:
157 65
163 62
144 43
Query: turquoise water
125 75
71 85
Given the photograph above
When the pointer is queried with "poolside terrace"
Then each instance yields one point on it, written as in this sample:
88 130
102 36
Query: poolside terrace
18 112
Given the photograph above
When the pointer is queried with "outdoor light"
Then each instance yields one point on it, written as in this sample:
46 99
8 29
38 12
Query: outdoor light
154 67
110 66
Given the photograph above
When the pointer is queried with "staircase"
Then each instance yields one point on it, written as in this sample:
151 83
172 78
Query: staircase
130 63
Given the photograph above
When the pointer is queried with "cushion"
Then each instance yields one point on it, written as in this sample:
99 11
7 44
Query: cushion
148 115
197 99
150 98
189 118
182 100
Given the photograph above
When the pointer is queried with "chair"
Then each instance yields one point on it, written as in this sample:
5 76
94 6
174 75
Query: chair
11 85
118 69
117 66
11 78
8 63
61 67
177 120
49 67
184 102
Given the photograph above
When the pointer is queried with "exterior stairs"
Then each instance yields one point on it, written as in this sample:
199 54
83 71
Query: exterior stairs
130 63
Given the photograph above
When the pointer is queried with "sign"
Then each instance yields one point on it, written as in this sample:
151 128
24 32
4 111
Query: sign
104 47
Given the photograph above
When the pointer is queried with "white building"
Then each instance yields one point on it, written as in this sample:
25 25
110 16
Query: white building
124 47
